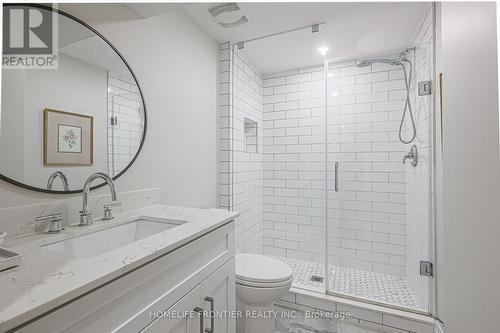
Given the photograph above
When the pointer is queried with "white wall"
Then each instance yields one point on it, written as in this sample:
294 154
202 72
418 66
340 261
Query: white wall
244 168
74 87
469 232
176 65
12 124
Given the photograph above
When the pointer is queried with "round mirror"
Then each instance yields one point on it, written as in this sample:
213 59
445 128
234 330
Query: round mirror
72 111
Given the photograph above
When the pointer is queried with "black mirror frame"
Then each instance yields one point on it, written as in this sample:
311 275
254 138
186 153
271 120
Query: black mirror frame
37 189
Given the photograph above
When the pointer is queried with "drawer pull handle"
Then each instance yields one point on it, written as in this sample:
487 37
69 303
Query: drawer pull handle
212 315
200 314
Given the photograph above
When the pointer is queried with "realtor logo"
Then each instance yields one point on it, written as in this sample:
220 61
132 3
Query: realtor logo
29 37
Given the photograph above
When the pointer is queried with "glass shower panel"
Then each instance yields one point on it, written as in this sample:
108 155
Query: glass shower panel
366 231
379 212
293 147
419 179
348 165
317 164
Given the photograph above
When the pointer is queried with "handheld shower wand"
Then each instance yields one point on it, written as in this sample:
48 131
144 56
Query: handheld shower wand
407 76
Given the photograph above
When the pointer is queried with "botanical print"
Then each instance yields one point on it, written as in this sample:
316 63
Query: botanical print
70 139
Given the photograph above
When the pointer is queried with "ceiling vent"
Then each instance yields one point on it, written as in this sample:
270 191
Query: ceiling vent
223 8
231 9
242 20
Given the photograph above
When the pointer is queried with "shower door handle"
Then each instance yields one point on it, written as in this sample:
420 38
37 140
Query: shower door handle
199 311
336 175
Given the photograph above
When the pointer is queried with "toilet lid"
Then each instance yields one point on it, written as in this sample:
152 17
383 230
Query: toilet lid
259 268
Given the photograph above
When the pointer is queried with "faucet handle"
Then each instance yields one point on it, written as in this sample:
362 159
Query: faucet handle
55 222
108 213
85 218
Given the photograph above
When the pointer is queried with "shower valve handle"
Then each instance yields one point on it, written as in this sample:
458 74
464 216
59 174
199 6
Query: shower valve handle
412 156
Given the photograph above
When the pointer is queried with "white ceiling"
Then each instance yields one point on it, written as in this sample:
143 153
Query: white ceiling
96 52
100 12
267 18
295 49
81 43
353 29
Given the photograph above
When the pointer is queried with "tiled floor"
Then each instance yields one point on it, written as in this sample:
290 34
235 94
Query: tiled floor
378 287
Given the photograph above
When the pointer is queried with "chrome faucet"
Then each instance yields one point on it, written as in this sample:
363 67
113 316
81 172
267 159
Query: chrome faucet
55 222
53 177
85 215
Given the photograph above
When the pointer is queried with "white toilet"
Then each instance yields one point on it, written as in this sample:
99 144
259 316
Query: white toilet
260 280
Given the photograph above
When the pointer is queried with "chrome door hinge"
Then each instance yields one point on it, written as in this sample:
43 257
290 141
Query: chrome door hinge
426 268
114 121
424 88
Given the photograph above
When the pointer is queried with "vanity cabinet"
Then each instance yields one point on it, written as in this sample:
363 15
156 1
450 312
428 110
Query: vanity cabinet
195 276
215 294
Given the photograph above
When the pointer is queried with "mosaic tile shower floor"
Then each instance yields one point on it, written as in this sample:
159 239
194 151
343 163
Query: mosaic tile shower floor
379 287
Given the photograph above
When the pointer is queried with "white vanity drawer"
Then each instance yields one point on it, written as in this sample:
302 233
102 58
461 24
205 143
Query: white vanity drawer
189 323
124 304
216 293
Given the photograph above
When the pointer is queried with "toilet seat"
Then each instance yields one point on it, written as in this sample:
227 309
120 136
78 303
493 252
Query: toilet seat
264 284
260 271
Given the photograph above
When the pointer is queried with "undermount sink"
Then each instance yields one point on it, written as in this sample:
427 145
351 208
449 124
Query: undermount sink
102 241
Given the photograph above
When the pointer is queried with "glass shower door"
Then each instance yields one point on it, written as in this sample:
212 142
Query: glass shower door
375 244
342 166
287 100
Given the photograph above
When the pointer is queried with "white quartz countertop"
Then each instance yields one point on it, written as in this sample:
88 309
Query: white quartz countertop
46 279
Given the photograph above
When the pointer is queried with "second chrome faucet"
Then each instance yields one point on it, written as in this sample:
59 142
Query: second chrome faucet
85 214
53 177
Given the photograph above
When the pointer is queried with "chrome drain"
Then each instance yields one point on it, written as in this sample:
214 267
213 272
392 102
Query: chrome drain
316 278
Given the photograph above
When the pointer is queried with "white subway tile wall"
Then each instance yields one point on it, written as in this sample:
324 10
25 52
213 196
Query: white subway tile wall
225 125
244 193
419 180
366 219
366 222
294 164
124 138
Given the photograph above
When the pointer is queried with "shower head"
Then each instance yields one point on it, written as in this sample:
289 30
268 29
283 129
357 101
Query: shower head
368 62
364 63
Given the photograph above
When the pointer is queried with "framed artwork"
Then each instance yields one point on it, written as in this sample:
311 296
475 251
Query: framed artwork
68 138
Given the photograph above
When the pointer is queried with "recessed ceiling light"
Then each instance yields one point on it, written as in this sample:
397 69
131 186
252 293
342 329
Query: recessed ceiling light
323 50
